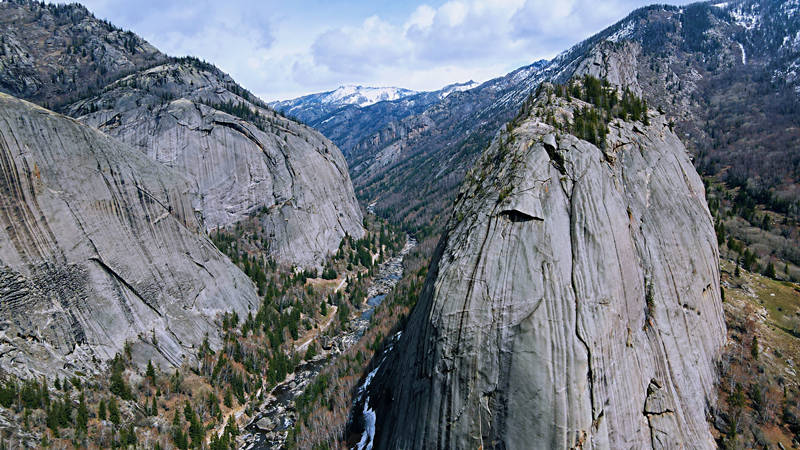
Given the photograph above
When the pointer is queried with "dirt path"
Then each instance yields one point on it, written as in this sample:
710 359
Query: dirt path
315 334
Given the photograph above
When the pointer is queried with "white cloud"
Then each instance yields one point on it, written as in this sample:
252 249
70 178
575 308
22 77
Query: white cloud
429 41
421 17
373 44
283 49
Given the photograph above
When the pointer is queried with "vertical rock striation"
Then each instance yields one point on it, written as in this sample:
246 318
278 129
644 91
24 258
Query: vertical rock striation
246 159
573 301
100 245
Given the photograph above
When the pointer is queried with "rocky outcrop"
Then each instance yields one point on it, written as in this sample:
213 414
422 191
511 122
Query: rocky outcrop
54 53
246 159
614 62
99 246
573 301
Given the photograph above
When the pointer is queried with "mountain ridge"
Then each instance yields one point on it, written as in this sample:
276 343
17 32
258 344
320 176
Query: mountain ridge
688 60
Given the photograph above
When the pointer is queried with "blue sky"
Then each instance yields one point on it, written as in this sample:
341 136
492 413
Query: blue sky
283 49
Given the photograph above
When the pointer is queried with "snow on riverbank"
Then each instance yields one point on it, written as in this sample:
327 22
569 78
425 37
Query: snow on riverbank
369 414
368 435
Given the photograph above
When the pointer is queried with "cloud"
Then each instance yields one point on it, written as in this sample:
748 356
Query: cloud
456 31
225 33
547 25
374 43
283 49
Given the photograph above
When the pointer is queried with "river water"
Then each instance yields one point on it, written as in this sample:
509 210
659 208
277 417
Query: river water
276 415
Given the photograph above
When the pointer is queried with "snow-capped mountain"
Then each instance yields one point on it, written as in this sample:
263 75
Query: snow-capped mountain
457 87
351 112
309 108
364 95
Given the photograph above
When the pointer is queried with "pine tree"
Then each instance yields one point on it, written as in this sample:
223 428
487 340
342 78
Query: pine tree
196 431
151 372
754 348
117 384
82 419
187 411
113 411
228 400
770 270
101 410
178 436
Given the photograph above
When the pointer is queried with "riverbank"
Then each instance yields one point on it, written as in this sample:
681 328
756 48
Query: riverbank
276 415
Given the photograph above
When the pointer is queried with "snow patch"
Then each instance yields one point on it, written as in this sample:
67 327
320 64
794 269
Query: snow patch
370 418
461 87
791 42
744 55
364 95
790 7
368 436
369 414
622 33
720 5
746 19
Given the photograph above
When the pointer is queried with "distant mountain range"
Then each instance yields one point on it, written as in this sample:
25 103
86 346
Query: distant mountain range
408 155
343 95
326 110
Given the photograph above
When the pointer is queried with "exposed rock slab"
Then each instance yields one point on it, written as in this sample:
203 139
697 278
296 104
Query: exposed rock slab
573 302
100 245
287 174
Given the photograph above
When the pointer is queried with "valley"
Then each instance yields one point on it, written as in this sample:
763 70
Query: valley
597 250
270 426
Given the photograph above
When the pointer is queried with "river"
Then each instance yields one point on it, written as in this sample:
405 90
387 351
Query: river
276 415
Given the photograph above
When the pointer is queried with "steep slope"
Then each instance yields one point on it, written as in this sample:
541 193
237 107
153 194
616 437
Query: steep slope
53 53
573 301
725 72
694 62
99 246
246 159
413 165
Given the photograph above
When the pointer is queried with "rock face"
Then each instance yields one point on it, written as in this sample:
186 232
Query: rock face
615 63
573 301
100 245
246 159
52 53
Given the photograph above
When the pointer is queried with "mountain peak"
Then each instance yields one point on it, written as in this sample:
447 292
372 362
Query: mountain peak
353 94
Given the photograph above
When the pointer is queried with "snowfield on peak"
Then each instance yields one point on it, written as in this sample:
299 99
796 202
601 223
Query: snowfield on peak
357 95
365 95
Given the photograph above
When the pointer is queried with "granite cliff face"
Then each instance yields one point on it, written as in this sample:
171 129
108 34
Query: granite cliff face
573 301
246 159
100 245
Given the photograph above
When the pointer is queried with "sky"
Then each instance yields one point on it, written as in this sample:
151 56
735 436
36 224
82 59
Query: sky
284 49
